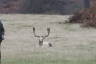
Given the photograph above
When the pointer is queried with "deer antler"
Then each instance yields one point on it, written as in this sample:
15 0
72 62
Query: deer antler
48 30
34 32
33 29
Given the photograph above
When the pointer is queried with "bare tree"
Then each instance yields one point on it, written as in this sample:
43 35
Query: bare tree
2 31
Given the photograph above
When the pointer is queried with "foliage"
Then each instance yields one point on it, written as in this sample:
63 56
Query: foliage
86 16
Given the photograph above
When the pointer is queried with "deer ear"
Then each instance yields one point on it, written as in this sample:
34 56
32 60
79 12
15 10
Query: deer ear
33 28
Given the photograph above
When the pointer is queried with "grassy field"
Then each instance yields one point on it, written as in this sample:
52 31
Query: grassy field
72 44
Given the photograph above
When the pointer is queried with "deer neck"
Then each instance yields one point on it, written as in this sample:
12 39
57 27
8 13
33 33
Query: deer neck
41 41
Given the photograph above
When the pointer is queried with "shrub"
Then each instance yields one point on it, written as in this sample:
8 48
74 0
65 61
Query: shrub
87 17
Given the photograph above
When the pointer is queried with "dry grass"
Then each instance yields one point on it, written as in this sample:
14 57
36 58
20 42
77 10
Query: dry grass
71 43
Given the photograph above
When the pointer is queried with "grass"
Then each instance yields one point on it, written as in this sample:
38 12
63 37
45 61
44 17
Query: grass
47 61
71 43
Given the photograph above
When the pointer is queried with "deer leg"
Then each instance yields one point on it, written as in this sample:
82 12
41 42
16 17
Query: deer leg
50 45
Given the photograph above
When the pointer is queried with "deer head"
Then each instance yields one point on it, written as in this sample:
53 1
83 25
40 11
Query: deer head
41 38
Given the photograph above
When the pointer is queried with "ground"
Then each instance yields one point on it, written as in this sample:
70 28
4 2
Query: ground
72 44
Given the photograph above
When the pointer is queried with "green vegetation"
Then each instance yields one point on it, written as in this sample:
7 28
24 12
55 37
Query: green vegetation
47 61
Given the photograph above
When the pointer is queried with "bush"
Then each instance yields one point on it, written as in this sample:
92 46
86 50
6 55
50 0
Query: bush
87 17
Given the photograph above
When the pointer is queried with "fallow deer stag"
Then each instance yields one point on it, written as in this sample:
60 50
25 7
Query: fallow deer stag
41 38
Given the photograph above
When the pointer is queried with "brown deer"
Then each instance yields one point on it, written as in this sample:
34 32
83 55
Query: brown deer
41 38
